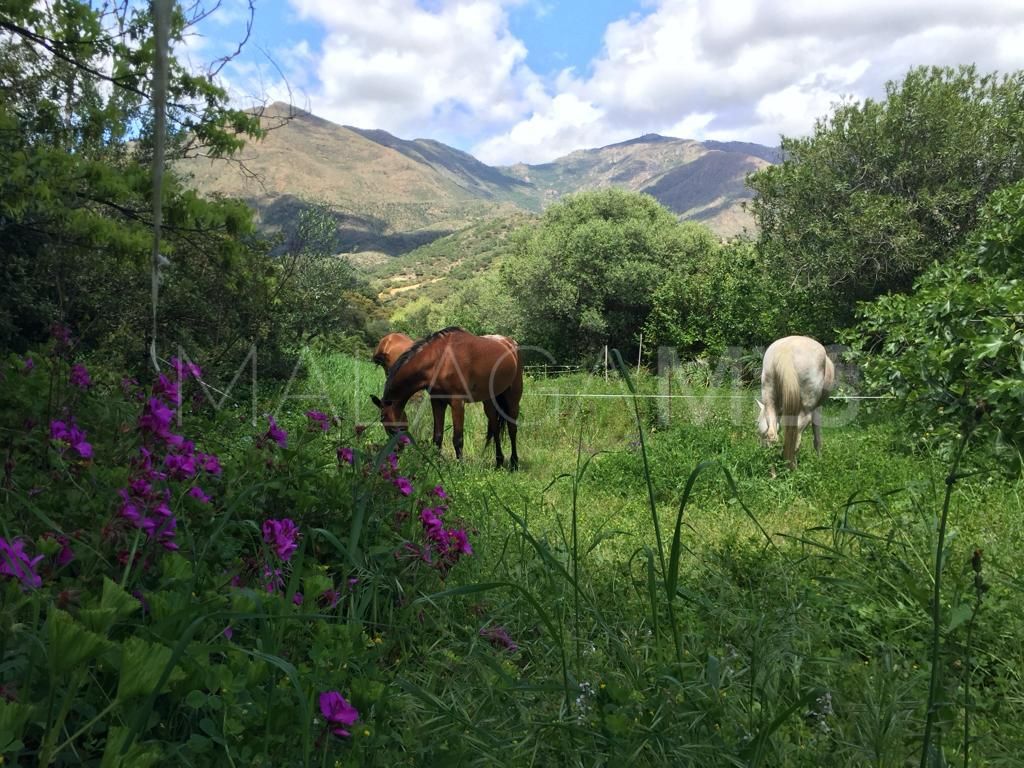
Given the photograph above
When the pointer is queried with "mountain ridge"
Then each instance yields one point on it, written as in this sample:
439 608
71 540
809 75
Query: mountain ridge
391 194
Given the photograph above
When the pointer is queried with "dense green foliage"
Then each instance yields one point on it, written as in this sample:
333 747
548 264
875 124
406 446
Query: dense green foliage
952 351
552 644
884 188
584 277
75 200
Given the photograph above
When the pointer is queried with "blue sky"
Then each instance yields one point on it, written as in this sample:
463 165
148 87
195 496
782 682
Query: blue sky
531 80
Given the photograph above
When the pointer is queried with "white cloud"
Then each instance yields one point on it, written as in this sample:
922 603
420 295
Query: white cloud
752 69
743 69
410 69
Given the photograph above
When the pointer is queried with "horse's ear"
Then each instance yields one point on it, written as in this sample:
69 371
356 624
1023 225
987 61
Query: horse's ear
376 401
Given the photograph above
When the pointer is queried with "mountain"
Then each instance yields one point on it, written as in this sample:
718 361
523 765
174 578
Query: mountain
391 195
702 181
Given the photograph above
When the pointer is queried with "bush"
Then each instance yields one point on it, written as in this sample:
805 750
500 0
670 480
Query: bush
953 350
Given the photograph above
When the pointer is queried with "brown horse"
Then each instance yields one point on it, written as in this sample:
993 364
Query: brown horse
390 349
456 367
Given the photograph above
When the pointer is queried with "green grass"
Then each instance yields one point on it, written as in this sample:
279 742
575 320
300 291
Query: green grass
837 601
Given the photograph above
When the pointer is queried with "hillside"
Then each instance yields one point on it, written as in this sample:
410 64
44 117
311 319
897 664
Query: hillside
391 195
699 181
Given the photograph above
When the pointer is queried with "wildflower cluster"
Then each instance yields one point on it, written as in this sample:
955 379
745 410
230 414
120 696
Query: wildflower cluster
443 546
163 456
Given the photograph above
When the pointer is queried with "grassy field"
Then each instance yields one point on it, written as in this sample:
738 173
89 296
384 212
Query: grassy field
798 629
651 589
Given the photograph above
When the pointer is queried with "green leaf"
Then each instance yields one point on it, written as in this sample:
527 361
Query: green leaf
13 716
142 663
71 644
959 615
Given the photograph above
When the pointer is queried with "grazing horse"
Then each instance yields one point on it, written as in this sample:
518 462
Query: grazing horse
796 378
390 349
456 367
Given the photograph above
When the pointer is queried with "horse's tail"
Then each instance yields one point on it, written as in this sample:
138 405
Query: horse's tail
502 402
792 404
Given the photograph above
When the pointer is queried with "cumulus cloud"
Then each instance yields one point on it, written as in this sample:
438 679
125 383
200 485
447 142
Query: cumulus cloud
414 68
744 69
755 69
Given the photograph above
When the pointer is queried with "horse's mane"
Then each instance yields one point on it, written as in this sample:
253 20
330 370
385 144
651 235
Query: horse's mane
411 351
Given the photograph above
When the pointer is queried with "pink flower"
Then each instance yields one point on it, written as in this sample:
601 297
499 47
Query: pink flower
439 492
68 432
460 542
14 562
328 598
276 434
346 455
337 712
283 535
80 376
403 485
499 638
198 494
320 419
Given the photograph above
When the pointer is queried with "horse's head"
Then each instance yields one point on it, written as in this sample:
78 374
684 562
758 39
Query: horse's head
392 415
766 426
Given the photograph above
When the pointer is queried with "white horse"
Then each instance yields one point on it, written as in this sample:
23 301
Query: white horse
796 378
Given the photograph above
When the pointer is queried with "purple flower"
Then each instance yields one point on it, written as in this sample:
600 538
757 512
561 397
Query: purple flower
283 535
328 598
337 712
460 542
156 417
439 492
499 638
228 632
403 485
14 562
68 432
346 455
80 376
320 419
29 365
393 460
66 554
166 389
197 493
276 434
403 440
297 598
209 463
185 369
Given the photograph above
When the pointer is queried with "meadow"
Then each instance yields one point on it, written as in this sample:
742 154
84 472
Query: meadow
649 589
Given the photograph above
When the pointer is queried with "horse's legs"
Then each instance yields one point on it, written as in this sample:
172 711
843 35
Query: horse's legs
458 417
494 430
513 427
801 424
816 426
437 405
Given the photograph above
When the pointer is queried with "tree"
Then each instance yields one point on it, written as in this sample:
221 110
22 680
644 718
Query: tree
884 188
75 192
953 350
726 298
585 276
